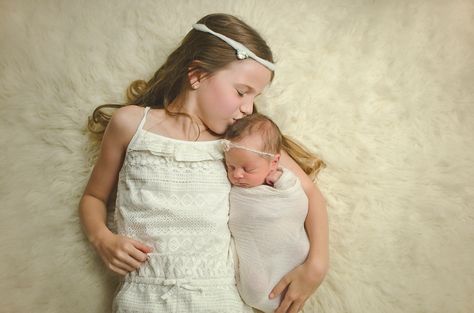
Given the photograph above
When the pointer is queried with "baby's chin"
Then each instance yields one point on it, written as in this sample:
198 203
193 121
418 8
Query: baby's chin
244 185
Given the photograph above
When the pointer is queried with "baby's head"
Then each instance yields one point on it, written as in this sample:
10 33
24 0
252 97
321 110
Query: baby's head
252 150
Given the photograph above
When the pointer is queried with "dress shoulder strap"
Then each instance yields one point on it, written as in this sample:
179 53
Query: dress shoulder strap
139 128
142 122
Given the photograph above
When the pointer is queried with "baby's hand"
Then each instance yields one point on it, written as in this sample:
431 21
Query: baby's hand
121 254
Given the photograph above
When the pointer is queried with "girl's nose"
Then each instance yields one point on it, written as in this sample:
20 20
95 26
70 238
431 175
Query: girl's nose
247 107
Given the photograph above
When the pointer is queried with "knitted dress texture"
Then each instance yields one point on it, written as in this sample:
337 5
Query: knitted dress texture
173 195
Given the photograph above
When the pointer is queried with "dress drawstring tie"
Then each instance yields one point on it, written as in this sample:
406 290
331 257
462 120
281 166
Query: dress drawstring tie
176 284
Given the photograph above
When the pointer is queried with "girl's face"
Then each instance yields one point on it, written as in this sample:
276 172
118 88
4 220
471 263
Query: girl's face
245 168
229 94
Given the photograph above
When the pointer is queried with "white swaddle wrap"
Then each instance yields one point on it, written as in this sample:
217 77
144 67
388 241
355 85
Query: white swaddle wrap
267 224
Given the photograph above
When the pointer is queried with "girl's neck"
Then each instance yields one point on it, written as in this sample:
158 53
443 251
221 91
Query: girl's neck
178 126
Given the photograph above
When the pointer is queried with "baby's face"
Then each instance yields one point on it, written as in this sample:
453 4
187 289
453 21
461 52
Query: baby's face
245 168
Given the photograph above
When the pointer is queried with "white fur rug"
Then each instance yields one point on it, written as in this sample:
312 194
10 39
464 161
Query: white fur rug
382 90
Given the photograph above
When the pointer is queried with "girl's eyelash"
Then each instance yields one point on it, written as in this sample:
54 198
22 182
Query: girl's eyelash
240 94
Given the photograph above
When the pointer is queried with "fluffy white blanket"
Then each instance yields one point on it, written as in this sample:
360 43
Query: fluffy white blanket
382 90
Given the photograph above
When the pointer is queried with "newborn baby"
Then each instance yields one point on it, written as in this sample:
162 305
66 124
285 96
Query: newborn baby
268 207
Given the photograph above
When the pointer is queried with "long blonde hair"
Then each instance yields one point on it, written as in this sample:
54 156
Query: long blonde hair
197 51
274 141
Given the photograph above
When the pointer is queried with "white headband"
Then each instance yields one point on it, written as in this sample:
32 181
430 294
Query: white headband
227 145
242 51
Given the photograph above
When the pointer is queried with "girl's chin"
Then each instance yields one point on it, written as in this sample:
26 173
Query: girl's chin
216 129
220 129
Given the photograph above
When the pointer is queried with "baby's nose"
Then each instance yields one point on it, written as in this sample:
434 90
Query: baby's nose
238 173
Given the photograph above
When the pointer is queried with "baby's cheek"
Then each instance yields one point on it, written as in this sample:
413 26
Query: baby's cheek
228 176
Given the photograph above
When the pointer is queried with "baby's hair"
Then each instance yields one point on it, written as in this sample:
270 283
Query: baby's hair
274 141
257 124
198 51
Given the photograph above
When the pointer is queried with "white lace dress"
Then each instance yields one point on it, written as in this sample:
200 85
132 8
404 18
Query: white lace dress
174 196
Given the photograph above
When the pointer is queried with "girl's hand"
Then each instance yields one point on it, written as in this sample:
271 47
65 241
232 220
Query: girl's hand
121 254
299 284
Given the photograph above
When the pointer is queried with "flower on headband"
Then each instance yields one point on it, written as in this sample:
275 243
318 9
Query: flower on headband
242 51
241 54
226 145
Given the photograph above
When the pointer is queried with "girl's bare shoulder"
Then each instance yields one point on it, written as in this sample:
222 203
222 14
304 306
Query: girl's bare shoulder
124 123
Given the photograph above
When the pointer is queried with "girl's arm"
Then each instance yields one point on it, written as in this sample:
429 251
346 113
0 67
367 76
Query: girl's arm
120 254
306 278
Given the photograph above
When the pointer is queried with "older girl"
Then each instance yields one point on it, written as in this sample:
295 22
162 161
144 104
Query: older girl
163 152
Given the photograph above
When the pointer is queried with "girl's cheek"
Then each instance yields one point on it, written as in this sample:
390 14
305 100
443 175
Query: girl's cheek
224 110
228 103
232 106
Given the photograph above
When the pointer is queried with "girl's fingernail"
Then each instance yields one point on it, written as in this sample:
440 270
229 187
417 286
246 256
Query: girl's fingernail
271 295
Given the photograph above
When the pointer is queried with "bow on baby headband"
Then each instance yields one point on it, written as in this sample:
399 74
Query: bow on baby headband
242 51
227 145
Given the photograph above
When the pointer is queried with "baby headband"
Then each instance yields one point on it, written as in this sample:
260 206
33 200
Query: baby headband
227 145
242 51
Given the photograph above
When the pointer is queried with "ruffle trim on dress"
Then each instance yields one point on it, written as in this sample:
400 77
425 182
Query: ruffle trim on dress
180 150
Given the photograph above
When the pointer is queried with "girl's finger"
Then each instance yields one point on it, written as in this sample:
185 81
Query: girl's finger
117 270
284 305
278 289
138 255
132 262
123 260
294 308
301 307
124 265
140 246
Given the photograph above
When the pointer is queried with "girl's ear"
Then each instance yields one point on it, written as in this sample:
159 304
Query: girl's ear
195 74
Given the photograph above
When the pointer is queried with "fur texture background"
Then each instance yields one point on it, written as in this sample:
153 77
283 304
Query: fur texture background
382 90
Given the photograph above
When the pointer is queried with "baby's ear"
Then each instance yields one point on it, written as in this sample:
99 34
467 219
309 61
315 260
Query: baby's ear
275 161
